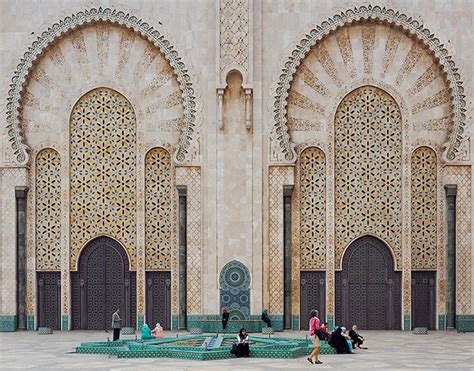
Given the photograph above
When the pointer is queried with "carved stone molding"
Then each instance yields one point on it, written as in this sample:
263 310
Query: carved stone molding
186 81
281 147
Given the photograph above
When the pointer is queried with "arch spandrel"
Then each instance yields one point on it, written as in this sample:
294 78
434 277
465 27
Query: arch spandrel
171 85
347 48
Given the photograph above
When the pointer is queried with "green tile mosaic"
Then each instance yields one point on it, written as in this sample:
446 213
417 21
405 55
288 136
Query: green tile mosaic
406 322
442 322
174 322
465 323
295 322
202 347
7 323
330 320
65 322
30 323
140 321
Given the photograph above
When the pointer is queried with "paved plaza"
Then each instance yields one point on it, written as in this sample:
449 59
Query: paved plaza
387 350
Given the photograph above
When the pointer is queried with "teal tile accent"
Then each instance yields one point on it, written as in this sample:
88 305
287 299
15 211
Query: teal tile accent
330 320
7 323
295 322
465 323
406 322
30 323
442 322
140 322
174 322
65 322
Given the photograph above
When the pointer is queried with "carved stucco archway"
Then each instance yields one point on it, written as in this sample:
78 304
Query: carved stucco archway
282 148
185 79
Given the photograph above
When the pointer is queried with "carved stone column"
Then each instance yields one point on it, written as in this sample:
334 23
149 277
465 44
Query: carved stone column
20 195
451 191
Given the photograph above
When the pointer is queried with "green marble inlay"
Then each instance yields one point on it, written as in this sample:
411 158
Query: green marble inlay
174 322
330 320
30 323
140 322
7 323
406 322
295 322
65 322
465 323
442 322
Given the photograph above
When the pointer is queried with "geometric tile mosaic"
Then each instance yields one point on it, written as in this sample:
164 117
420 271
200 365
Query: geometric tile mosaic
423 209
368 169
313 209
158 209
103 171
48 210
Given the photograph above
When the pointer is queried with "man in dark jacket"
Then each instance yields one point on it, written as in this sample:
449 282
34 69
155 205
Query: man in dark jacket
116 324
356 338
266 319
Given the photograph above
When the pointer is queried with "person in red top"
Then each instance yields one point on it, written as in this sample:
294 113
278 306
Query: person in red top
314 330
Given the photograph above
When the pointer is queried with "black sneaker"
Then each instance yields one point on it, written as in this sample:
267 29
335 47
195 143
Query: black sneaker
318 362
310 360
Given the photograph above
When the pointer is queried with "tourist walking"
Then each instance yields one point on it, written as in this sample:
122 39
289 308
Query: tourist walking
225 318
314 333
116 324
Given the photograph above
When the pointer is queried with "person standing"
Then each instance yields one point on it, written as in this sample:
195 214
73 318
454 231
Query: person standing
314 330
116 324
225 318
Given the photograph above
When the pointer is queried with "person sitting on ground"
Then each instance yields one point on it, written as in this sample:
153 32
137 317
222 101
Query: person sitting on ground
266 319
324 331
338 341
158 332
356 338
146 332
241 348
345 333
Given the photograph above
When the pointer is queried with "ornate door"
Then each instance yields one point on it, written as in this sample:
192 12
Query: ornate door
103 284
423 299
368 290
313 296
158 299
49 300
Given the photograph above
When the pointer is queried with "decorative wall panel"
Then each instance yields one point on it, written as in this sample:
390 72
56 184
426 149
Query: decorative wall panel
103 171
158 208
368 181
423 209
48 210
234 282
461 176
313 209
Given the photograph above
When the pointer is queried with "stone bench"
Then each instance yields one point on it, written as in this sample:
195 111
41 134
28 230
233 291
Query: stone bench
268 330
45 331
195 330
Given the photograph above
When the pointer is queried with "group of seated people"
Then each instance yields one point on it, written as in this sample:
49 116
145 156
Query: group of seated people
344 340
156 333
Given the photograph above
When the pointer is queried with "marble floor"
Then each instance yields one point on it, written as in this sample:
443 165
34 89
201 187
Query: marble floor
388 350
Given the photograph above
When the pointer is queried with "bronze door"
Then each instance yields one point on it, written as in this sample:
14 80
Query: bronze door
368 290
423 299
103 284
49 300
158 299
313 296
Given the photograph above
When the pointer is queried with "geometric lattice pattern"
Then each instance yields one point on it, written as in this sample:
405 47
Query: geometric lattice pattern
234 282
103 171
48 210
368 169
423 208
158 209
461 176
313 209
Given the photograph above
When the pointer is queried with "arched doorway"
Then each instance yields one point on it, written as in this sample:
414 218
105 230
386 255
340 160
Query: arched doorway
102 284
368 290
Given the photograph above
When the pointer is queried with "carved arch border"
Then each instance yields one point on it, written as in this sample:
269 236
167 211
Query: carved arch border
187 83
319 32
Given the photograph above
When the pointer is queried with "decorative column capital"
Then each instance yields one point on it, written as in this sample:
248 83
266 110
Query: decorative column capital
21 192
451 189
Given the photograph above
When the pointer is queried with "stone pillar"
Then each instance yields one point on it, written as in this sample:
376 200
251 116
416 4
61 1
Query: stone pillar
288 256
20 195
451 191
182 194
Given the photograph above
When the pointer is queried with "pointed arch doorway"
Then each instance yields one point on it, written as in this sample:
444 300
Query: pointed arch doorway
368 290
102 284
